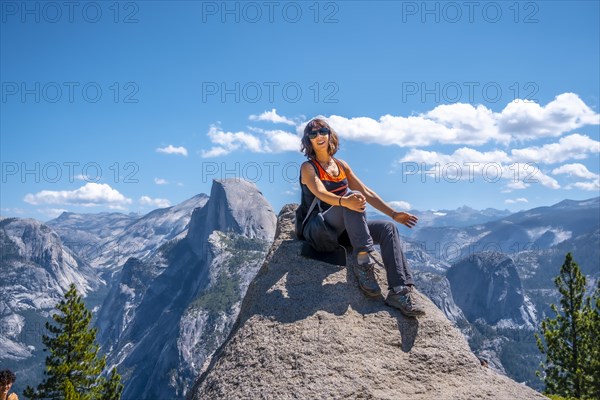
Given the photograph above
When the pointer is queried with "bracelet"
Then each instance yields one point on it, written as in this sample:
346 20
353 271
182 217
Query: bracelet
340 201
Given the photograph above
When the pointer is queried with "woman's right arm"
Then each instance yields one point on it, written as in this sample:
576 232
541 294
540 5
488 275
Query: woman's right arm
314 184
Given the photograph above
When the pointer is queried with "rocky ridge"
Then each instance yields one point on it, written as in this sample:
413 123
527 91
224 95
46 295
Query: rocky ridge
306 331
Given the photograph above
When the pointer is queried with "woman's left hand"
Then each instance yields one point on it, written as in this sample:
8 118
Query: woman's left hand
405 218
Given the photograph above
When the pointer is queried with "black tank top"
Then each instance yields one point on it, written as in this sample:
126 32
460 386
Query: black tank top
335 184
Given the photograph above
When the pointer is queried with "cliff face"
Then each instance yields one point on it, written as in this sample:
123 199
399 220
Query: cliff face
306 331
487 286
170 310
235 206
36 269
107 241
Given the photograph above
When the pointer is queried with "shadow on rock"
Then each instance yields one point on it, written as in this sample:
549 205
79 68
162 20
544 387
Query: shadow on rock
290 288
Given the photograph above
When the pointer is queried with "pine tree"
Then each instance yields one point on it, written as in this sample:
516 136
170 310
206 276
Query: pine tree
73 367
591 365
69 391
569 343
112 387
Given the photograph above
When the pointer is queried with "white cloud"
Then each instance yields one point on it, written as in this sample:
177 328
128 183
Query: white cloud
81 177
576 169
543 179
472 125
89 195
273 141
276 141
574 146
455 124
527 120
216 152
293 190
160 203
399 204
460 156
590 186
229 141
519 200
470 164
160 181
520 165
517 185
416 131
272 116
170 149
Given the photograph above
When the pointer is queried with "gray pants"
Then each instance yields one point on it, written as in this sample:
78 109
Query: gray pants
363 234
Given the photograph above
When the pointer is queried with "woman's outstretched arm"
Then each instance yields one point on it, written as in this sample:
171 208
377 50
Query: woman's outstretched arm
373 199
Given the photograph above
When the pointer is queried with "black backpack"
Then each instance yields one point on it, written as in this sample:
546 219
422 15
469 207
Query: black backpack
302 212
327 250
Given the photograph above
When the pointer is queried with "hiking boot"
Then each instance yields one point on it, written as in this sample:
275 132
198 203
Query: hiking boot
406 301
365 275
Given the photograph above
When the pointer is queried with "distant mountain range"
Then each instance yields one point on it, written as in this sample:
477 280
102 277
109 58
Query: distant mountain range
461 217
136 272
166 287
108 240
536 229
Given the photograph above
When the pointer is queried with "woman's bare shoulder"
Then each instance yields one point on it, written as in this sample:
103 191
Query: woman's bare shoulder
307 169
344 163
307 166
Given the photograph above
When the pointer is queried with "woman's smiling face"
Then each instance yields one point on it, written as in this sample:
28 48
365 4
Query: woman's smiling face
321 139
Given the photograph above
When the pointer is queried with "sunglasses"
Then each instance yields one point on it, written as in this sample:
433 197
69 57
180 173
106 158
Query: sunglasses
323 132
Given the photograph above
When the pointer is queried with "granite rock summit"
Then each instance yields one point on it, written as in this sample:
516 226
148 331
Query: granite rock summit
306 331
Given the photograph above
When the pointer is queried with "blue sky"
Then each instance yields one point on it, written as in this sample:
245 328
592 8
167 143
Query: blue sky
132 106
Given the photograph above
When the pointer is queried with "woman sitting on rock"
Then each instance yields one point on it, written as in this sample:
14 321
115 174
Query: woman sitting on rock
343 199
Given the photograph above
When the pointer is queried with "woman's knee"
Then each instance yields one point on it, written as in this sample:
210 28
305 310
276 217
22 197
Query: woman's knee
390 228
350 211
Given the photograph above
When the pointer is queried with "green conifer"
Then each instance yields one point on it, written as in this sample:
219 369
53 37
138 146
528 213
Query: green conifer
112 387
73 366
570 339
591 345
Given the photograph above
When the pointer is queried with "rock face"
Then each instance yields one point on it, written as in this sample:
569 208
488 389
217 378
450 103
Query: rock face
108 240
487 286
33 249
235 206
306 331
168 311
86 233
437 288
36 269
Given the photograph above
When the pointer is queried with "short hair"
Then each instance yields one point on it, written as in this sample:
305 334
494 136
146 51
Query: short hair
306 145
7 377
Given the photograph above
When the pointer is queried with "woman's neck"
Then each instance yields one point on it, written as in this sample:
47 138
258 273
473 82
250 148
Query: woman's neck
323 158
